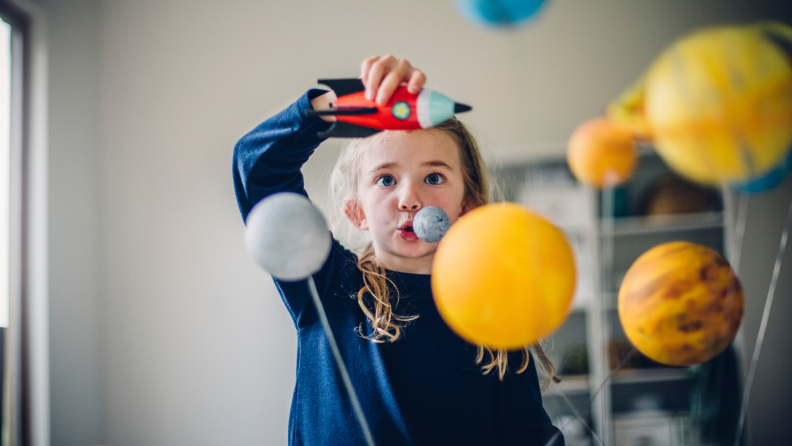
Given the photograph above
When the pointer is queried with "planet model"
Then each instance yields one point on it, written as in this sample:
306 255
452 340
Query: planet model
287 236
498 13
717 104
430 224
602 154
681 303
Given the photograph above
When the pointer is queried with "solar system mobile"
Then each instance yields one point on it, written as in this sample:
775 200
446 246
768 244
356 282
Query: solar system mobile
680 303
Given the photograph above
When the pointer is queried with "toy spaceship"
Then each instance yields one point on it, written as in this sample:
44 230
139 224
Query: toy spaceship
358 117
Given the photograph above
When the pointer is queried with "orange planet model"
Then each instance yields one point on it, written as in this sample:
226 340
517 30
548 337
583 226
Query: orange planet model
503 276
601 154
681 303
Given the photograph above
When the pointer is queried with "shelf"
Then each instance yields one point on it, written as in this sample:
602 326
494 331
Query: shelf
575 384
663 223
637 376
605 248
570 384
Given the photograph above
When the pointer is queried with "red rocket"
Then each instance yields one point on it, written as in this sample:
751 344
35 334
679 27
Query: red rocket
358 117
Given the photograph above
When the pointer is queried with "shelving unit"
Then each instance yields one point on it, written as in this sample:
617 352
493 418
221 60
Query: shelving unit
609 231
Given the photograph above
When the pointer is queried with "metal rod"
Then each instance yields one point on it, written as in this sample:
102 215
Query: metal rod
575 413
763 327
739 233
610 375
591 399
340 362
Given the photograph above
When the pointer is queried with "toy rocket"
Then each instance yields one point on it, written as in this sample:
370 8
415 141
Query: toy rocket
357 117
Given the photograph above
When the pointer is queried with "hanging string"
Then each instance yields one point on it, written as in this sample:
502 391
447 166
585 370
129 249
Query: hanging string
763 328
608 209
591 400
579 417
735 251
340 362
610 375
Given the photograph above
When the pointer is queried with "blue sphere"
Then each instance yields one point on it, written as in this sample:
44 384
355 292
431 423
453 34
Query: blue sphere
767 181
431 223
498 13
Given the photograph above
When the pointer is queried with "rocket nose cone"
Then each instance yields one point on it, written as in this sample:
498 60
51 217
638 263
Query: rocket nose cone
461 108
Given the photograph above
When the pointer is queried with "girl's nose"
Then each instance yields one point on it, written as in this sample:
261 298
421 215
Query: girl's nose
409 200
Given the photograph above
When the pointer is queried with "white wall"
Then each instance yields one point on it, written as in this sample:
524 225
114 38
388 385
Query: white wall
163 331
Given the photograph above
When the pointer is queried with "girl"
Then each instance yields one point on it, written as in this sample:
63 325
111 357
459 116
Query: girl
417 381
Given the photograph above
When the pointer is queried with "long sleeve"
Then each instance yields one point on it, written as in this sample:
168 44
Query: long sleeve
268 159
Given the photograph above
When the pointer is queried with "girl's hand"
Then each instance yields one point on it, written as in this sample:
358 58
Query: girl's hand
382 75
323 102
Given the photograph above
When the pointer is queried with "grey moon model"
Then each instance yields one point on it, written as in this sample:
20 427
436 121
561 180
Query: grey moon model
431 223
287 236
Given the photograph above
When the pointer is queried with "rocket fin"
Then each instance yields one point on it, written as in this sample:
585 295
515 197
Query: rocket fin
343 87
343 129
343 111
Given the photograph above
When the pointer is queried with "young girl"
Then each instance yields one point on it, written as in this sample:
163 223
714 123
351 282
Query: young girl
417 381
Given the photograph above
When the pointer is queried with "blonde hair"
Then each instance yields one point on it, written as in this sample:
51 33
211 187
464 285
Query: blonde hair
374 298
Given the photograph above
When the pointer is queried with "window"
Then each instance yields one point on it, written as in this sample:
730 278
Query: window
15 339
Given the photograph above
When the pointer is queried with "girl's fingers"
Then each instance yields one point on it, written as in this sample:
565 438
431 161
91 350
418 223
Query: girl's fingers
416 82
389 85
365 67
377 71
399 73
382 75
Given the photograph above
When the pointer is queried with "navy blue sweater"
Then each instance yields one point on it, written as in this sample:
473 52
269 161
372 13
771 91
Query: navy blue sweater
424 388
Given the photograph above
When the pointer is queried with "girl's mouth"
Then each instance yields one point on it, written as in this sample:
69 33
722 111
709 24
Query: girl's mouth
406 233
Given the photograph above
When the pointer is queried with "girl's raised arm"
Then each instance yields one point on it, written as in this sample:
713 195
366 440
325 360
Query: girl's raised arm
268 159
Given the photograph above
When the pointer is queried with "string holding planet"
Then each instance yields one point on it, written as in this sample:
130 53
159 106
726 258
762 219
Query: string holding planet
288 237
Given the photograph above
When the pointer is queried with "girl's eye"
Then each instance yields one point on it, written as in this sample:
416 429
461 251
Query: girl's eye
385 180
435 178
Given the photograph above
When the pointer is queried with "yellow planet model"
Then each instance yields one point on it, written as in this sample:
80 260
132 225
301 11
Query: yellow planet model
503 276
717 103
681 303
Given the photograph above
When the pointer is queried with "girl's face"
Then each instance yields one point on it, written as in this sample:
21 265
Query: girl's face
401 174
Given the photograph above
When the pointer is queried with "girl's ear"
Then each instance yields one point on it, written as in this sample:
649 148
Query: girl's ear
355 214
467 206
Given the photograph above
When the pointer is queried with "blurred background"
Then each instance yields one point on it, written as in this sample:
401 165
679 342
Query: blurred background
158 328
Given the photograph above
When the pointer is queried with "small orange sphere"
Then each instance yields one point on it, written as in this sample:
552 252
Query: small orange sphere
503 276
681 303
601 153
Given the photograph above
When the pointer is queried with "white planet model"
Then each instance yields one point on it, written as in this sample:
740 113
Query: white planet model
287 236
